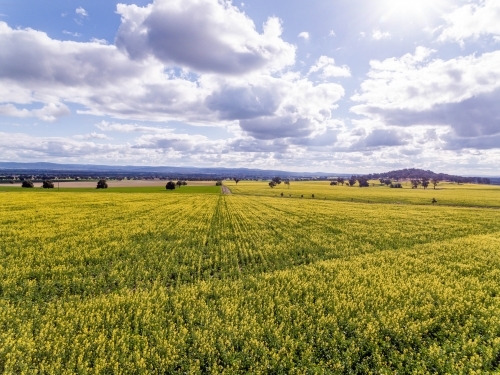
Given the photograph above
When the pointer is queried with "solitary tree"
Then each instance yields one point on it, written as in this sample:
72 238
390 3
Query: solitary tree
178 183
425 182
341 180
27 184
434 182
281 194
363 182
47 184
312 196
277 180
170 185
102 184
434 201
272 184
218 183
236 180
415 183
287 182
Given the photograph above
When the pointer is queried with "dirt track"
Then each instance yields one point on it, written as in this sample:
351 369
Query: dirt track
111 183
225 190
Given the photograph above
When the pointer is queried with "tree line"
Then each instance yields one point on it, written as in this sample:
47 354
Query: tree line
421 174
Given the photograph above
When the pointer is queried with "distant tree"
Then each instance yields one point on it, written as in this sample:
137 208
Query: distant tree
184 183
281 194
425 182
236 180
277 180
27 184
415 183
272 184
178 183
333 183
434 201
341 180
170 185
102 184
218 183
352 181
387 182
287 182
382 181
434 182
47 184
312 195
396 185
302 196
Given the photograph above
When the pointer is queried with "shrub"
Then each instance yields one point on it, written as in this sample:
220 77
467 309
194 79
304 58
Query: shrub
218 183
396 185
27 184
170 185
102 184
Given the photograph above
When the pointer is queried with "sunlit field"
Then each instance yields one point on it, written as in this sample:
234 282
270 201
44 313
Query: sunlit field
445 193
95 282
121 189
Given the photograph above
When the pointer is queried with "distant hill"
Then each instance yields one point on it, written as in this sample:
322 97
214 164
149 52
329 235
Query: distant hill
414 173
217 172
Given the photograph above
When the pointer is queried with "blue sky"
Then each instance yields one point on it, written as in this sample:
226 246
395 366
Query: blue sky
336 86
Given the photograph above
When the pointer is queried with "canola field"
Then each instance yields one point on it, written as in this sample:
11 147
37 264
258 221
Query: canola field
203 283
449 194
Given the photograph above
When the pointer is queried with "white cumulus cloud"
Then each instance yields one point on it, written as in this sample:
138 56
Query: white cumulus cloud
202 35
81 12
328 68
304 35
378 35
471 21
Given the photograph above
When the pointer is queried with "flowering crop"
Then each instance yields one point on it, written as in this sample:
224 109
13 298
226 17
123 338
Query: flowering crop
446 193
116 283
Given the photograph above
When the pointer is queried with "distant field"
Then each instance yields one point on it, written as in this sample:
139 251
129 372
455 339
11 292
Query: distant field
445 193
198 189
159 282
113 184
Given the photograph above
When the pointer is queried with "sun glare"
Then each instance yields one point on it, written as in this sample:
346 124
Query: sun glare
420 9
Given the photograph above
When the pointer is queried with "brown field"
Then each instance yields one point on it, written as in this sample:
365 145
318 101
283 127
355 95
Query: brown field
114 183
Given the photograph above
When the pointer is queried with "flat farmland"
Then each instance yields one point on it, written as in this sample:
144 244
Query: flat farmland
112 184
153 282
449 194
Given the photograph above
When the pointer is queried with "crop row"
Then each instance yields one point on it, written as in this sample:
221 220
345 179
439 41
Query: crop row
429 309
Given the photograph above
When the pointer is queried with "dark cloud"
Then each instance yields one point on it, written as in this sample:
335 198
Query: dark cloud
454 142
277 127
328 138
243 102
255 145
474 117
381 138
